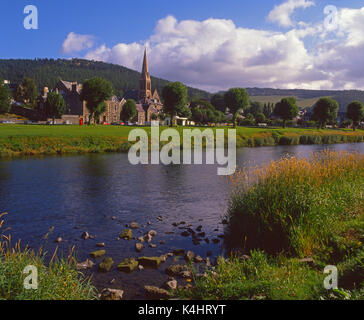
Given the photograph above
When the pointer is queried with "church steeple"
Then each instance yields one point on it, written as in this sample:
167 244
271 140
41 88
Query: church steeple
145 63
145 83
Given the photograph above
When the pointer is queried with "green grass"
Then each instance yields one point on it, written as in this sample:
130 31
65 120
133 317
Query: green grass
57 280
293 209
33 139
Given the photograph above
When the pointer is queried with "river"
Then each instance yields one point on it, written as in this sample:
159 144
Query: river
82 193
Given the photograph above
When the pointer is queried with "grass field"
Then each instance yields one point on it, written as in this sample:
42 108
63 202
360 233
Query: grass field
36 139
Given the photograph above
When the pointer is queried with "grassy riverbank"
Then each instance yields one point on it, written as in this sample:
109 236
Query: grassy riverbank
58 280
19 140
302 215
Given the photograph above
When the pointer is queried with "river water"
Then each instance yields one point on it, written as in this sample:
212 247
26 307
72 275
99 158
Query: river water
81 193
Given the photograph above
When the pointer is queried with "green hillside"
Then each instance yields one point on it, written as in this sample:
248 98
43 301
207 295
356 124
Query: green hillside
47 72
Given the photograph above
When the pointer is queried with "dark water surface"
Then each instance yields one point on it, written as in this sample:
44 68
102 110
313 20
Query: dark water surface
81 193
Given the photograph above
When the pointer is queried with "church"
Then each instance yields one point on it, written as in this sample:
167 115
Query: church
149 104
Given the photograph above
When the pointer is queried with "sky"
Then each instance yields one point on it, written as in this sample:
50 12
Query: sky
209 44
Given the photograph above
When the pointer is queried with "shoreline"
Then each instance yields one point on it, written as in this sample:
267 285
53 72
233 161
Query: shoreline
47 140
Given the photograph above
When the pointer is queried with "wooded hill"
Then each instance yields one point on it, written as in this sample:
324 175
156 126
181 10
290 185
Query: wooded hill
47 72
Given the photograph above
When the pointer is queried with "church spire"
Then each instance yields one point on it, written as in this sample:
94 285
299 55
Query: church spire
145 63
145 83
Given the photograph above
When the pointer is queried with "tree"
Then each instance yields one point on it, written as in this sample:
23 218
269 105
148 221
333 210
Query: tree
236 99
26 92
175 98
129 110
260 118
5 98
218 102
355 113
324 111
286 109
268 109
95 92
55 105
185 112
255 108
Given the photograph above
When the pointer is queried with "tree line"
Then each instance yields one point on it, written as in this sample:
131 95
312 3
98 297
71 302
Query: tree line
236 101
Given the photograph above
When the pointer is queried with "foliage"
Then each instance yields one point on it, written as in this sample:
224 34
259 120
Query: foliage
355 113
95 92
255 108
260 118
185 112
5 98
236 99
218 102
286 109
55 105
292 209
26 92
47 72
129 110
175 98
325 111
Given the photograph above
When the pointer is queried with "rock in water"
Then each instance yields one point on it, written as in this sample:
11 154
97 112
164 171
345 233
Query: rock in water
189 256
85 236
171 284
97 254
139 247
59 240
88 264
106 265
151 262
111 294
198 259
156 293
126 234
128 265
100 245
174 270
152 233
134 225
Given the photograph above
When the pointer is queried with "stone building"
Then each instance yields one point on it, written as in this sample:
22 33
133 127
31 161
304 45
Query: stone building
149 102
76 110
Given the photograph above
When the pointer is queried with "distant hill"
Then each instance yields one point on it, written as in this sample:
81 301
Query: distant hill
47 72
306 98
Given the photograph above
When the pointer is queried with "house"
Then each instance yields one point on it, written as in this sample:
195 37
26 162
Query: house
76 109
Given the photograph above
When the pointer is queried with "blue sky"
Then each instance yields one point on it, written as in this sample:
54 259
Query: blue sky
111 23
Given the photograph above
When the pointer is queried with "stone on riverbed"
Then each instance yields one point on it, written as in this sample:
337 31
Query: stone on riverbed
179 252
111 294
152 233
171 284
85 235
88 264
156 293
151 262
139 247
134 225
128 265
198 259
59 240
189 256
106 265
174 270
97 254
126 234
100 245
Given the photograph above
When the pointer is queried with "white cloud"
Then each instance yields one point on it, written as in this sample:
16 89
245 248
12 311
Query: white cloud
282 13
77 42
215 54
